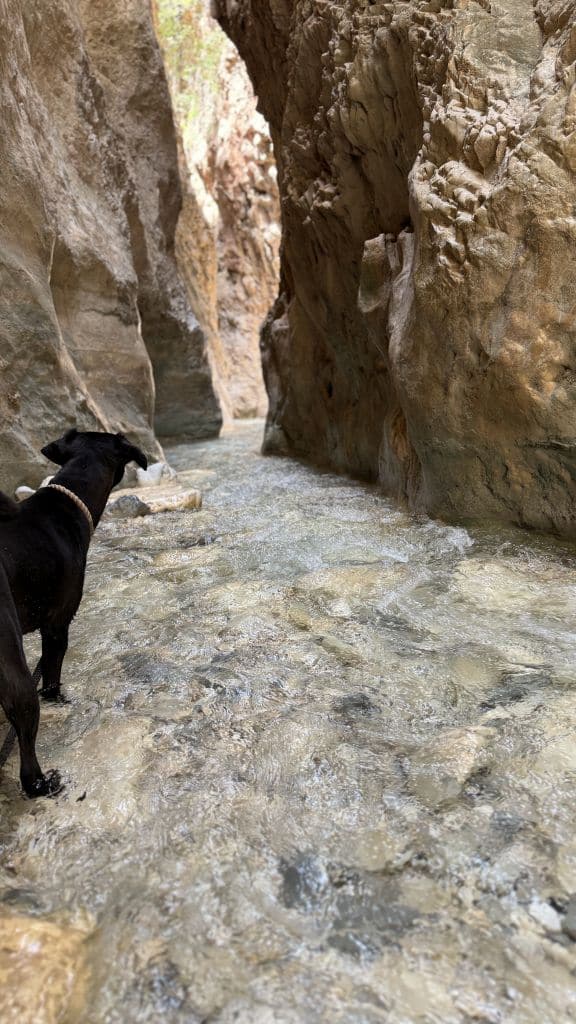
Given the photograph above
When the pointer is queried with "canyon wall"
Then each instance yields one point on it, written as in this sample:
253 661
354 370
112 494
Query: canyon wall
424 332
228 235
95 327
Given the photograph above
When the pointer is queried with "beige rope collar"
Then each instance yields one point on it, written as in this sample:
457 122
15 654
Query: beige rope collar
77 501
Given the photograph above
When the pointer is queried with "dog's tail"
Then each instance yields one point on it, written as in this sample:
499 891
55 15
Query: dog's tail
8 509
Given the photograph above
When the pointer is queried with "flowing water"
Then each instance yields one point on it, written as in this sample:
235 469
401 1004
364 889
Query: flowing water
320 760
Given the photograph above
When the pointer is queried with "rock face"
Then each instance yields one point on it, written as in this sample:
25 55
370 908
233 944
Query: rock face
95 328
424 334
228 235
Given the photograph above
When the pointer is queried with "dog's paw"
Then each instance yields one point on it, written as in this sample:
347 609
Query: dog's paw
49 785
53 696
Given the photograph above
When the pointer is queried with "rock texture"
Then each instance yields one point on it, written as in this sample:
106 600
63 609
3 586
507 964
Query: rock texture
228 235
42 970
424 334
95 328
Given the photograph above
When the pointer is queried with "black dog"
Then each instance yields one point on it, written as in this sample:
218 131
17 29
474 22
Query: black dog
43 546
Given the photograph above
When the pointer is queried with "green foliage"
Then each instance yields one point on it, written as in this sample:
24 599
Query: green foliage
193 46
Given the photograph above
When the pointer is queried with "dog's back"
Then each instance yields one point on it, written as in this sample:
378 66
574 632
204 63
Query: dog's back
43 560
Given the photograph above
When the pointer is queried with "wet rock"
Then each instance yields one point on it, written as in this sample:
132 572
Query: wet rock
345 653
505 588
304 882
161 987
363 910
558 755
355 704
569 921
152 672
42 971
517 685
369 915
507 824
438 772
21 899
545 915
191 542
129 506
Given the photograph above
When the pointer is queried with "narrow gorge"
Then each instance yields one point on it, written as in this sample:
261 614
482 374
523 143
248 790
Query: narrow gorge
317 745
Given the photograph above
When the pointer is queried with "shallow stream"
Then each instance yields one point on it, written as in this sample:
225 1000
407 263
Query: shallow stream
321 764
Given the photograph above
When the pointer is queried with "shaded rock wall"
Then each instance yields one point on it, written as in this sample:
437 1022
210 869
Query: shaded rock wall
228 234
89 199
424 334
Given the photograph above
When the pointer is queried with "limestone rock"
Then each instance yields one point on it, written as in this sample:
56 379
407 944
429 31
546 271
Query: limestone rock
181 502
438 771
155 474
127 506
424 332
95 329
42 974
228 234
23 492
130 505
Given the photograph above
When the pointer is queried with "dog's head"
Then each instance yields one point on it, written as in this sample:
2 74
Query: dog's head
112 448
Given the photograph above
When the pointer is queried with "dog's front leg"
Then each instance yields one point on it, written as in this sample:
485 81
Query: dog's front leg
54 647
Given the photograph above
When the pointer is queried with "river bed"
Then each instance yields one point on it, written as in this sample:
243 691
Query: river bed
320 762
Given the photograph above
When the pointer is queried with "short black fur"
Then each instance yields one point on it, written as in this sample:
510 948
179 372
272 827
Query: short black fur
43 547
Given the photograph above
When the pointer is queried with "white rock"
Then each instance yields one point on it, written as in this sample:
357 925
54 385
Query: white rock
158 472
23 492
545 915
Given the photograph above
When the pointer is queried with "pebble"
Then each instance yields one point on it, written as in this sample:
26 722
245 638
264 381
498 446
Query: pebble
545 915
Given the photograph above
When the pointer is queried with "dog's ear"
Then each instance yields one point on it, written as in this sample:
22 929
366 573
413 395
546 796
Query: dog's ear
59 451
130 453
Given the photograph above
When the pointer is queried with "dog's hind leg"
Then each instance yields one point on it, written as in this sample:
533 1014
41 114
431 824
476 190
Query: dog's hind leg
54 647
19 699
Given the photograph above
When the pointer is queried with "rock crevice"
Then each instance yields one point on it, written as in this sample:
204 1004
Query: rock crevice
228 235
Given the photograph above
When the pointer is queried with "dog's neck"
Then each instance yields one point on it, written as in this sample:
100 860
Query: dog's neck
89 480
